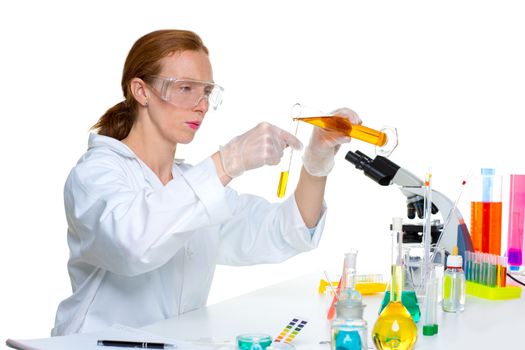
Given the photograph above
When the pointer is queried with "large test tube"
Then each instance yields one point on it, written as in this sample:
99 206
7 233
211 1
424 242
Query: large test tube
486 208
385 139
516 221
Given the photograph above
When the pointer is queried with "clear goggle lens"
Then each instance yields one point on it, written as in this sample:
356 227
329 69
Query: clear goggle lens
186 93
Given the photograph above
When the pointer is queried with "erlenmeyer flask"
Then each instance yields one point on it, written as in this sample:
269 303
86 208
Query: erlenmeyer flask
395 328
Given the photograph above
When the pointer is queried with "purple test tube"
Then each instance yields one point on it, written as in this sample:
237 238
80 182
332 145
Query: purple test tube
516 221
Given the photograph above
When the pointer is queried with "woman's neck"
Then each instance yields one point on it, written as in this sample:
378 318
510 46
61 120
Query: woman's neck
156 155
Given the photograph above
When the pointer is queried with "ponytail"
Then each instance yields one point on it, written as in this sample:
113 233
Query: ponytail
116 122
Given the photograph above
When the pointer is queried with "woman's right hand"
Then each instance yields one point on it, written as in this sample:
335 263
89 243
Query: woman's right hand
262 145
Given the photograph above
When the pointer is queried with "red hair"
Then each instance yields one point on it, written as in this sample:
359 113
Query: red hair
144 60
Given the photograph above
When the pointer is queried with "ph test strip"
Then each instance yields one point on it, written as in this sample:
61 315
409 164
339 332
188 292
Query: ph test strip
291 330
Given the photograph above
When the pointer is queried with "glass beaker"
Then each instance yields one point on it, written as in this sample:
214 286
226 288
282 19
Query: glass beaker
385 139
253 341
486 208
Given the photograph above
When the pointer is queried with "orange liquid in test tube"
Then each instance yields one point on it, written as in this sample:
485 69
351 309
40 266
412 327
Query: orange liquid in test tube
343 125
486 227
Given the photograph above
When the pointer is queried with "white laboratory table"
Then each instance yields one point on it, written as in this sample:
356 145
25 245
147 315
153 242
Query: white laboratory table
483 325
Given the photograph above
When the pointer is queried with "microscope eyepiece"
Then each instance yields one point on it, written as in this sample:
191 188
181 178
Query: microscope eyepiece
379 169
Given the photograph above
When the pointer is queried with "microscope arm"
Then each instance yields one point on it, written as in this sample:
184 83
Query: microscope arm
385 172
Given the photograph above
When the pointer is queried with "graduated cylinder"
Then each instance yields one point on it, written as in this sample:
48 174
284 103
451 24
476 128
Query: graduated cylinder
516 221
485 214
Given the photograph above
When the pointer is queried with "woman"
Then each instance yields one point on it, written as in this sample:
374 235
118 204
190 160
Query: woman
145 232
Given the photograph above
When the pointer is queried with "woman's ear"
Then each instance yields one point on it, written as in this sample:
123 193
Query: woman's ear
139 91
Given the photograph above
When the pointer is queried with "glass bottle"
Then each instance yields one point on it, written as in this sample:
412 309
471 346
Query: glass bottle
395 328
454 284
349 329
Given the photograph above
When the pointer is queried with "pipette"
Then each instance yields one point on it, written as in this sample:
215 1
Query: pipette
287 163
331 285
427 224
451 214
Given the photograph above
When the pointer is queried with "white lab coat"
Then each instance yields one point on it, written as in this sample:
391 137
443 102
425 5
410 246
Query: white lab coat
141 252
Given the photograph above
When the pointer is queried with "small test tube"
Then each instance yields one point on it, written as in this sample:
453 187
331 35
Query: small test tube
471 266
477 271
502 271
466 266
490 275
488 259
285 170
481 274
486 269
494 269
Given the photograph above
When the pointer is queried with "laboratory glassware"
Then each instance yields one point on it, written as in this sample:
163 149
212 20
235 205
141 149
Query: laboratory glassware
454 284
409 300
253 341
286 164
347 282
430 326
516 220
385 139
394 328
486 207
349 329
501 279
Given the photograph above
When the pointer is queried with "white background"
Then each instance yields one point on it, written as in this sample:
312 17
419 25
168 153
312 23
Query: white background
450 75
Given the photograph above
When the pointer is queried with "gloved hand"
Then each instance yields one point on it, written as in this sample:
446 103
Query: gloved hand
318 158
262 145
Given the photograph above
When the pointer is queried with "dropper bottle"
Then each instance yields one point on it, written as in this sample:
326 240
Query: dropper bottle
454 284
395 328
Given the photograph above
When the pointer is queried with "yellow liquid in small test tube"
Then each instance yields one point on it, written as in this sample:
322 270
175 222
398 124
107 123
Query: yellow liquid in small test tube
343 125
283 179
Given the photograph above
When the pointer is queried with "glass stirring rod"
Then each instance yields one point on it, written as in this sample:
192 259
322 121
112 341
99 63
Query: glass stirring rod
287 163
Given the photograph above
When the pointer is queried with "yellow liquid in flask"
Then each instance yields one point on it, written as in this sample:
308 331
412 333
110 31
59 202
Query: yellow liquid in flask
283 181
343 125
395 329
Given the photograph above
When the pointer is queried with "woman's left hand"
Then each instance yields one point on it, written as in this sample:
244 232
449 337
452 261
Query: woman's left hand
318 158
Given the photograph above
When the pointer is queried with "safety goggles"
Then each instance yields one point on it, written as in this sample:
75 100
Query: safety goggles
187 93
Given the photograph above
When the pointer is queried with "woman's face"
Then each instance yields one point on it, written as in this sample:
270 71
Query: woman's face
178 119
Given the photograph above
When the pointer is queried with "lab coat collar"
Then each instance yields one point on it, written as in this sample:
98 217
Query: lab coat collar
96 140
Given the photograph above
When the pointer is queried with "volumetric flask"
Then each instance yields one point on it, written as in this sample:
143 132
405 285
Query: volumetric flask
385 139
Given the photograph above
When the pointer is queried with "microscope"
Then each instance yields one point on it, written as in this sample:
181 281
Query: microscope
452 232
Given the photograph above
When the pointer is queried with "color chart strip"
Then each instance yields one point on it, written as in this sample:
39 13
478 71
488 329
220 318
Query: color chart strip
291 330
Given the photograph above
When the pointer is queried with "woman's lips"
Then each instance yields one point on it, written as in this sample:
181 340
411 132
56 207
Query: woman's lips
194 125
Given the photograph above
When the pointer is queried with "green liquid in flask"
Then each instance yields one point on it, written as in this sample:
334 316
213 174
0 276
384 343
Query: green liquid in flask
395 329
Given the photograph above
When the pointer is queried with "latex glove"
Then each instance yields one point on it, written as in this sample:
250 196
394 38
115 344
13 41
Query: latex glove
262 145
318 158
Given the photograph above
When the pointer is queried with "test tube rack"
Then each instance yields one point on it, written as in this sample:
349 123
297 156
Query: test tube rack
493 293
